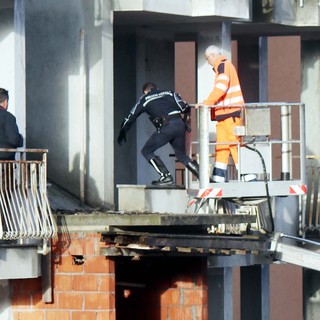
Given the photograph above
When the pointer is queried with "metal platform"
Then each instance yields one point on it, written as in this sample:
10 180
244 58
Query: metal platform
256 189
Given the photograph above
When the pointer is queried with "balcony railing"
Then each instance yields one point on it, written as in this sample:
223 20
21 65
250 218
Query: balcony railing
24 208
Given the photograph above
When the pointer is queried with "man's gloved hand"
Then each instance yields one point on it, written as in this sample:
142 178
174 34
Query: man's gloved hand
122 136
187 125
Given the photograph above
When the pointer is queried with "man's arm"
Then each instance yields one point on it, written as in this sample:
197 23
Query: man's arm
128 121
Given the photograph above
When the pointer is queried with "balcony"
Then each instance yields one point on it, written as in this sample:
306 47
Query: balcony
26 222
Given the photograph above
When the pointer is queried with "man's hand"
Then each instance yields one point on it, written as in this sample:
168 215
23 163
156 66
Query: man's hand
122 136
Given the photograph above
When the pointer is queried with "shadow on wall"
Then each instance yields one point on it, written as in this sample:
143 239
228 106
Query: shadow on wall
161 288
57 61
84 182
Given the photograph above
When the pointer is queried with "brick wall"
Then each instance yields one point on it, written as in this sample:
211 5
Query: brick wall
162 288
81 291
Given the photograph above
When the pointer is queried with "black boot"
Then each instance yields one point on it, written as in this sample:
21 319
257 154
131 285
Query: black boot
193 166
165 175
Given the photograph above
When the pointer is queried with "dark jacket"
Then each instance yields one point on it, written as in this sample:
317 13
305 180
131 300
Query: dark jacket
9 134
156 103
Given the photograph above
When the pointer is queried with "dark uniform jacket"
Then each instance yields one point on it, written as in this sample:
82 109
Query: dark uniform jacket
9 134
156 103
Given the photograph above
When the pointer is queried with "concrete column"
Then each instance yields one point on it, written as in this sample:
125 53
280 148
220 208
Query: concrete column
311 294
310 67
310 87
255 292
20 66
220 294
218 34
107 181
5 313
286 216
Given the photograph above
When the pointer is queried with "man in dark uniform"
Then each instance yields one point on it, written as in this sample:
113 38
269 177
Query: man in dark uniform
164 108
9 132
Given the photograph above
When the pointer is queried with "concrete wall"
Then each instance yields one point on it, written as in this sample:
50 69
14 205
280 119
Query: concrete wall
155 63
99 288
310 93
140 56
12 51
124 99
7 53
70 94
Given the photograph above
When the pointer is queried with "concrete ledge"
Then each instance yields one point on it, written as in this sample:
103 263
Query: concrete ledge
102 222
19 262
142 198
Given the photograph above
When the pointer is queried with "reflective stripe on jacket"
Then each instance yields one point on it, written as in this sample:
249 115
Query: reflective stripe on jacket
226 91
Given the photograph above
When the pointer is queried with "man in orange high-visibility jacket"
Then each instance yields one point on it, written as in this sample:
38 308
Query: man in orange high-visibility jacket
226 92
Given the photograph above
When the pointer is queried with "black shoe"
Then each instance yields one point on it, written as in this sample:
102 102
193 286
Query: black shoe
249 177
164 180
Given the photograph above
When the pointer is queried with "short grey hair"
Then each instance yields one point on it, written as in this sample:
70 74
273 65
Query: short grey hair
212 49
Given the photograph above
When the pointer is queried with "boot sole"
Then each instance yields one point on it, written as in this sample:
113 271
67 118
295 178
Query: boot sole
162 183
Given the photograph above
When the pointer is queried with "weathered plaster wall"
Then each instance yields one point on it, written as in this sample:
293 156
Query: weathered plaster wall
67 99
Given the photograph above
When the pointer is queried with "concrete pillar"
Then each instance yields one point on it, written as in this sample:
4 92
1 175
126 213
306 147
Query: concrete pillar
12 55
263 69
104 183
220 293
20 66
255 292
310 67
5 313
218 34
311 294
220 305
310 86
286 216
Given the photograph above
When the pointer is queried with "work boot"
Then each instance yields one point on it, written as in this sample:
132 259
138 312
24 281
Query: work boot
193 166
164 180
219 175
249 177
165 175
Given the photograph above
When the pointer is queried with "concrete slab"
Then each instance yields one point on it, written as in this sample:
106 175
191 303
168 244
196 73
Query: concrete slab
19 262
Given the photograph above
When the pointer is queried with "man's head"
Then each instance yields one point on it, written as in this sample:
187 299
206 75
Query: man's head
4 98
212 53
148 86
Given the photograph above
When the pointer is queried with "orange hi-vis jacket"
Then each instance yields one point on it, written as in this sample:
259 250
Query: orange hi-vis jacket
226 91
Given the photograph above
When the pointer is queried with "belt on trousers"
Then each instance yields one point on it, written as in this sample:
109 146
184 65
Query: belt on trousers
171 116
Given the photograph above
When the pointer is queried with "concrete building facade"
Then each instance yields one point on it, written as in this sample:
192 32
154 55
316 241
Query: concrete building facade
75 68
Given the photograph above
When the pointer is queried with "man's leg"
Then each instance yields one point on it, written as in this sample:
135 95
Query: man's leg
178 144
219 173
156 141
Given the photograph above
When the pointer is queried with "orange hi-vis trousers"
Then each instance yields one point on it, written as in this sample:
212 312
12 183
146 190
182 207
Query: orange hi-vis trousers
225 133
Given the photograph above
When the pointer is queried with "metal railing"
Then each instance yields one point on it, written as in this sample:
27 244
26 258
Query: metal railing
311 208
282 140
24 208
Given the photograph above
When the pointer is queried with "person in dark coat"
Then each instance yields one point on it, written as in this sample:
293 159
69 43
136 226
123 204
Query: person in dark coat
9 132
165 109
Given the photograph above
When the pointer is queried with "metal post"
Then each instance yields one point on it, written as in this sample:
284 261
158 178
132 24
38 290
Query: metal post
302 120
204 112
286 147
83 118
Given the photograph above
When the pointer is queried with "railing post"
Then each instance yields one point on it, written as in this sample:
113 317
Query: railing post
286 147
302 116
204 113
